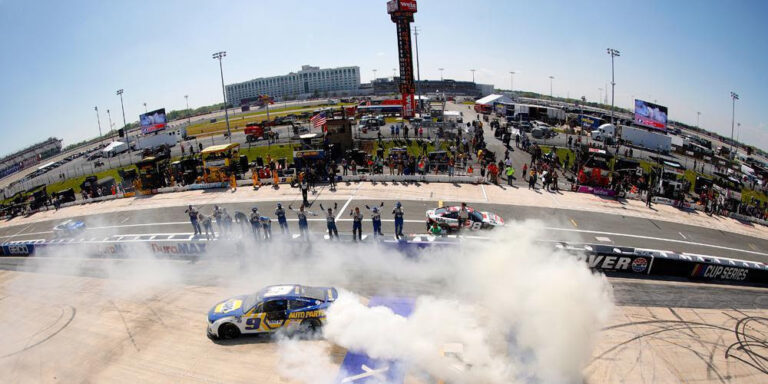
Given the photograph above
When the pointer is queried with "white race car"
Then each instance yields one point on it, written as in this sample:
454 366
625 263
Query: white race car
448 218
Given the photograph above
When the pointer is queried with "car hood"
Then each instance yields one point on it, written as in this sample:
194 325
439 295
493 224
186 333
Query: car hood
226 308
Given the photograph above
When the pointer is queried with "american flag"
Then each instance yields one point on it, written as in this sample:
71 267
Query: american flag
318 120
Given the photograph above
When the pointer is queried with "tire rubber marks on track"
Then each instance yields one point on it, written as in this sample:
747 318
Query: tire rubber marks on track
64 310
125 323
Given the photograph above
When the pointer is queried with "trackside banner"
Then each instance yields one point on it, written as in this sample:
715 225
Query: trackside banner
607 259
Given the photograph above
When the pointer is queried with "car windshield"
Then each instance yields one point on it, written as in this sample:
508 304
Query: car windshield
251 300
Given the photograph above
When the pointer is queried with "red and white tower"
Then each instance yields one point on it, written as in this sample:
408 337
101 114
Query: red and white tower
401 12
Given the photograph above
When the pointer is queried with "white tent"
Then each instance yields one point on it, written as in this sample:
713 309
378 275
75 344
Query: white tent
493 99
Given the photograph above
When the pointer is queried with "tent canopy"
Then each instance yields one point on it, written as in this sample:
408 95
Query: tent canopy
493 99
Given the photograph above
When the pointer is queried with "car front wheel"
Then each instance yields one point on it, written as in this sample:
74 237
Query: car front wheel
229 331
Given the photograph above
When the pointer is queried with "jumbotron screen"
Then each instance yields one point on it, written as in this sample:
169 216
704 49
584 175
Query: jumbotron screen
153 121
650 115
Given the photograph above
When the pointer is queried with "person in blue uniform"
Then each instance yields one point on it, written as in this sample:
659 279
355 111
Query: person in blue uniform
303 224
330 221
399 213
376 219
357 224
280 213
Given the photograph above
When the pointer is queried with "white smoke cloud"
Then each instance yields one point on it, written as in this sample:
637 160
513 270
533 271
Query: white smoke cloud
517 310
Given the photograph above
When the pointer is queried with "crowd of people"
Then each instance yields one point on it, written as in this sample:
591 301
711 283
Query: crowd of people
260 226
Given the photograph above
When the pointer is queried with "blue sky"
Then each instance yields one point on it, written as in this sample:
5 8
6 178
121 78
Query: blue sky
60 59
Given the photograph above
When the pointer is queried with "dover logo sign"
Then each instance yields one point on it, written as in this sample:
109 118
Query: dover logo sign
627 263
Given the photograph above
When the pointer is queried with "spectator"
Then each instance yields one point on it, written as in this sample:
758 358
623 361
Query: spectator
510 174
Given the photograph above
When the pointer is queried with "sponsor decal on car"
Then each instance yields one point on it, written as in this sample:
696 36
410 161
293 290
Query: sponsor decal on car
306 314
228 306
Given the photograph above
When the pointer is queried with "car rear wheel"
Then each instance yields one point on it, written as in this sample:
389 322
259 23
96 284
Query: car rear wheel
229 331
310 327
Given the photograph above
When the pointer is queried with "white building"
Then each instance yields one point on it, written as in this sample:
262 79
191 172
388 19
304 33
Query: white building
309 81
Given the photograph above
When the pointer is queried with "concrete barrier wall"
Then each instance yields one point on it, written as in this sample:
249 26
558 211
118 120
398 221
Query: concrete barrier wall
611 260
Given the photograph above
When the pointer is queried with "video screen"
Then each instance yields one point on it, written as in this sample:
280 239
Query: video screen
650 115
153 121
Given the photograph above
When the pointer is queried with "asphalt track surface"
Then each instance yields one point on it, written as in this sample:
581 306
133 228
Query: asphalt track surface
560 224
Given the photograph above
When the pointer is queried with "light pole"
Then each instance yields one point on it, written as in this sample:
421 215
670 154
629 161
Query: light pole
110 124
220 55
601 95
613 53
98 120
734 97
418 71
738 130
145 107
512 81
374 74
125 125
550 86
473 75
441 73
698 115
189 115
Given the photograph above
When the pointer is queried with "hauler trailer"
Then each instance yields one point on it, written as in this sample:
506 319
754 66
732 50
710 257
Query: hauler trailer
639 137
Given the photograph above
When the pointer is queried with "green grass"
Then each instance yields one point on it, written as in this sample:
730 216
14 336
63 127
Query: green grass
74 183
414 148
561 152
275 151
748 194
238 123
646 166
468 102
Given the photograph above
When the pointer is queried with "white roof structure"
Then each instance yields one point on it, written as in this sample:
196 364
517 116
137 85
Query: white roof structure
113 145
494 98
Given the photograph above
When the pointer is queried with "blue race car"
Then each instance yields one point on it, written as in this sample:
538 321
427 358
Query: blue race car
288 307
69 228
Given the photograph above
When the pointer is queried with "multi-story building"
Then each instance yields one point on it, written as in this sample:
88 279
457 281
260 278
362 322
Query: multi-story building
29 156
308 82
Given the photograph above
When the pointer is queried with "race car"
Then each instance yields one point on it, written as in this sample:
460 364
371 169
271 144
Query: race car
448 218
292 308
69 228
